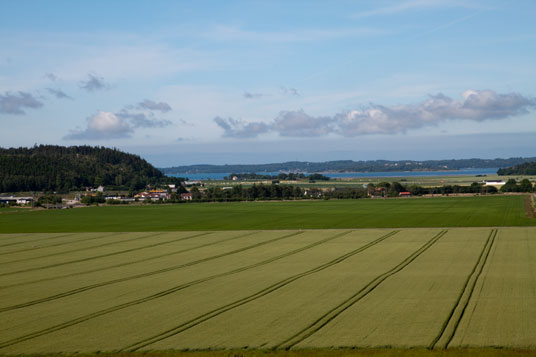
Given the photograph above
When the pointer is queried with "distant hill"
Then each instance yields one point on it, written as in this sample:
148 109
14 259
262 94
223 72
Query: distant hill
59 168
351 166
528 168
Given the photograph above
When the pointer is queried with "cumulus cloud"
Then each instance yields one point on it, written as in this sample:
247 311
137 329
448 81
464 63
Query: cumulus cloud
298 123
58 93
14 103
103 125
142 120
249 95
474 105
93 83
152 105
290 91
236 128
51 77
108 125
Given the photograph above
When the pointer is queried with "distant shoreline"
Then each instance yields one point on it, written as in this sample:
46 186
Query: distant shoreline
350 166
351 174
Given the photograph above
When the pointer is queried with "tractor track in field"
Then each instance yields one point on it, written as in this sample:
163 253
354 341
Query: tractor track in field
108 254
37 240
211 314
125 264
114 281
449 327
173 289
72 250
346 304
59 244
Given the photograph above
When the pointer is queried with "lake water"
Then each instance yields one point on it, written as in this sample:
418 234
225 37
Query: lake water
464 172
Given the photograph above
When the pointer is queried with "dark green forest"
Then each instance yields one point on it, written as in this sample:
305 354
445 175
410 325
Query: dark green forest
61 169
528 168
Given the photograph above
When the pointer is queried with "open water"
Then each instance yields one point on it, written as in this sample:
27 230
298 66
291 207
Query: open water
464 172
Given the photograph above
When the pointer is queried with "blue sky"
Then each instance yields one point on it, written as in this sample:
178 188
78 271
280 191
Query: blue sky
185 82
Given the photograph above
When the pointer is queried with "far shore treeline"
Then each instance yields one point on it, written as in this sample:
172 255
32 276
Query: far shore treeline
528 168
351 166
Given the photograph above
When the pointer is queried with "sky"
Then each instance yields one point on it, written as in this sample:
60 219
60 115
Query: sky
243 82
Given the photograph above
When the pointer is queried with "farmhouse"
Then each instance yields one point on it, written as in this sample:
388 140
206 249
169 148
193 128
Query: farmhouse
153 195
186 196
493 182
377 192
17 200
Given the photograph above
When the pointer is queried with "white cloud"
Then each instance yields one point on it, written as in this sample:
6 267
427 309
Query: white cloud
108 125
103 125
476 106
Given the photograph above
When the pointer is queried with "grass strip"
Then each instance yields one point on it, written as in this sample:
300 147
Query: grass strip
367 289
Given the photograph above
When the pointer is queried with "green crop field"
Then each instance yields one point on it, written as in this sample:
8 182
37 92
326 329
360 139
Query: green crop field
297 291
479 211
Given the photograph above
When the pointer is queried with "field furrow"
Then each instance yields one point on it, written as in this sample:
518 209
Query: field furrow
269 319
156 272
503 308
367 289
229 285
43 247
18 239
124 274
29 258
434 289
202 318
450 325
174 250
85 258
408 309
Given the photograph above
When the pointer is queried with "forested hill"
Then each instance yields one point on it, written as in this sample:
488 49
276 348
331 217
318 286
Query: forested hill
351 166
59 168
528 168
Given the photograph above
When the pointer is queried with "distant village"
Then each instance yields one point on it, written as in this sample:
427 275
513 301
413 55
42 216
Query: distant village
172 193
100 195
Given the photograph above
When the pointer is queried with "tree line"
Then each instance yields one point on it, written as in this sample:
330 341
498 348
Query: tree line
352 166
279 177
528 168
384 189
64 169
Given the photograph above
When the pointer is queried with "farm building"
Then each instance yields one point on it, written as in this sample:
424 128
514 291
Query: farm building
17 200
377 192
186 196
493 182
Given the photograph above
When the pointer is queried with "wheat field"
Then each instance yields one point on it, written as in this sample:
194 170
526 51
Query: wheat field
428 288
